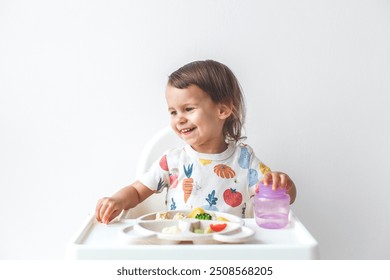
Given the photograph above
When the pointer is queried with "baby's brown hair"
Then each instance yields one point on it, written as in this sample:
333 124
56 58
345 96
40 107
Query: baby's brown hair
219 82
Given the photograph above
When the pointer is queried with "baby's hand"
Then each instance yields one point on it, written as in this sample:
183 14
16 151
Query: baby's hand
107 209
278 179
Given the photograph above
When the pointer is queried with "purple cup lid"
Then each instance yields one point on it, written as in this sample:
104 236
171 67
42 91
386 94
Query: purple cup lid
267 190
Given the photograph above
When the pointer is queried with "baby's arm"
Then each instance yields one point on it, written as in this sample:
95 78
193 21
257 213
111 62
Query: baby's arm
128 197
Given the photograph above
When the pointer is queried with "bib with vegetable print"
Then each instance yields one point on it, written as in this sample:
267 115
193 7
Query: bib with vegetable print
222 182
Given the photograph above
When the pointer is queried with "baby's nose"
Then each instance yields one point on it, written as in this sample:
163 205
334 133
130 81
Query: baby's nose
181 118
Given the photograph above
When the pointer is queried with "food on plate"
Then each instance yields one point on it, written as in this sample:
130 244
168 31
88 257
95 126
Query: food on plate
208 222
199 230
179 216
203 216
218 227
171 230
195 212
210 229
162 216
203 231
220 218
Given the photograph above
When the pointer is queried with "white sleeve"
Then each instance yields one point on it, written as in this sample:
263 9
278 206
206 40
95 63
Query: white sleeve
157 177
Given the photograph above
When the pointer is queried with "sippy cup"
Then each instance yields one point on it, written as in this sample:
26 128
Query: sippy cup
271 207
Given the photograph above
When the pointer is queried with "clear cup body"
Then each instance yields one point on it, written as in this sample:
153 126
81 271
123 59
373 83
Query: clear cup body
271 208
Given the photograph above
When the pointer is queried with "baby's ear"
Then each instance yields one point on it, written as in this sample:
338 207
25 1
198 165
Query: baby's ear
225 110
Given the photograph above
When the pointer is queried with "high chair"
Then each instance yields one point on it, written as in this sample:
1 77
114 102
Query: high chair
95 240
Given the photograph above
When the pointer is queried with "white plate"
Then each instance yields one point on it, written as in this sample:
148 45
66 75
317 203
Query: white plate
184 230
238 237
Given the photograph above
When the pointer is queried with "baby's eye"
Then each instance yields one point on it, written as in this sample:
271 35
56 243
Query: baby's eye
189 109
172 113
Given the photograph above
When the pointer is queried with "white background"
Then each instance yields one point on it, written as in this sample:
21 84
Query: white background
82 90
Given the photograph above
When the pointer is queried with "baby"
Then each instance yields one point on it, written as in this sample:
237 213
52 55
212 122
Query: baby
215 170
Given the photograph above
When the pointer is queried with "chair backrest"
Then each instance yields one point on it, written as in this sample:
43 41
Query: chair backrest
162 141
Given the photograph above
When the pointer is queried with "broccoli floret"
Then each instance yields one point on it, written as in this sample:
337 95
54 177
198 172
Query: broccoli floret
203 216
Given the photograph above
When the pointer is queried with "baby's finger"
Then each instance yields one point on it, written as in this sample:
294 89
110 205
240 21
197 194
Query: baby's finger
114 215
107 214
103 211
97 210
275 181
284 181
290 184
267 179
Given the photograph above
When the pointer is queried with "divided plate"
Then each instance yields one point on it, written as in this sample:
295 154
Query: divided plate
149 230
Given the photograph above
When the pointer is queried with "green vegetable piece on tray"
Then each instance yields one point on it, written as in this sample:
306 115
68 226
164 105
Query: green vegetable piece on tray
203 216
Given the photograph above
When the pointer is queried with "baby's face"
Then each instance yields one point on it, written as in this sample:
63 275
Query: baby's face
196 118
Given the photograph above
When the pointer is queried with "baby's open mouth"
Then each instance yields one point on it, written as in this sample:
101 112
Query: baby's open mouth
186 130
